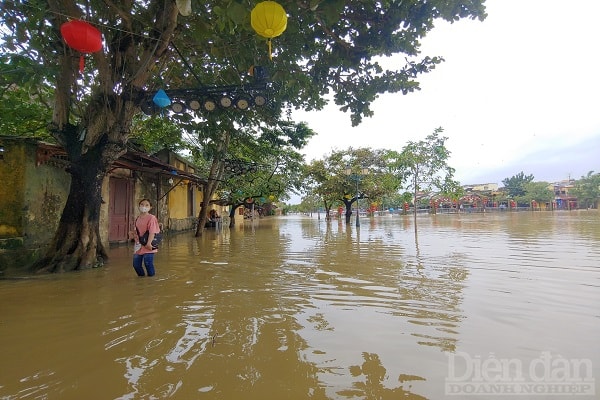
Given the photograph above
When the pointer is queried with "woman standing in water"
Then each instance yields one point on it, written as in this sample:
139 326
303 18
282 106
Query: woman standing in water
144 223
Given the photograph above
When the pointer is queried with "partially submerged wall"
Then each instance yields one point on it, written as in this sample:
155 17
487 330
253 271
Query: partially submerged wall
32 197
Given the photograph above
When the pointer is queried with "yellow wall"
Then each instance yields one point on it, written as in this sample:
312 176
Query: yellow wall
178 201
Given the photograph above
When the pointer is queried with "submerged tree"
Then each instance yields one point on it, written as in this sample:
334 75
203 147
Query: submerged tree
334 178
587 190
321 185
515 185
535 191
424 166
242 181
329 47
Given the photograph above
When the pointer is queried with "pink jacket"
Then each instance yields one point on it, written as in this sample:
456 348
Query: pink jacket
145 223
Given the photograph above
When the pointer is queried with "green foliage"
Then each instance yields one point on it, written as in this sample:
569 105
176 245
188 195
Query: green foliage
329 181
321 186
25 98
309 204
423 165
396 200
157 133
329 46
420 166
538 191
452 190
587 190
279 170
515 185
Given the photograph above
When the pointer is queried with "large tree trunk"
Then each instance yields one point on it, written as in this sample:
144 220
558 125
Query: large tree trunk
76 243
208 190
102 130
214 177
232 214
348 204
203 212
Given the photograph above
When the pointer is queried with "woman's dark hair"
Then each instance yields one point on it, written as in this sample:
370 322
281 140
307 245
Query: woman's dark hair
148 200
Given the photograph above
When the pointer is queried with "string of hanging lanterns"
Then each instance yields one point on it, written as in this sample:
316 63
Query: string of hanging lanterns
267 18
206 99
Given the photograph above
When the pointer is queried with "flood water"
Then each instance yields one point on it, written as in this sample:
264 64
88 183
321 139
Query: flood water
294 308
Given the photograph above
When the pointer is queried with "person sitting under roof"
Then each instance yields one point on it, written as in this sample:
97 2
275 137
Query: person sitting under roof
213 219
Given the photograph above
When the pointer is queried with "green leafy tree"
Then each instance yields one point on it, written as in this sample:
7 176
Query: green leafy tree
515 185
587 190
377 177
278 172
328 47
231 134
329 179
157 133
320 186
535 191
396 200
308 204
25 98
424 166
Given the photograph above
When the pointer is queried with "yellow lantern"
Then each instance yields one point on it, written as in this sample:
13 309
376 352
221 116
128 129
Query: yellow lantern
269 20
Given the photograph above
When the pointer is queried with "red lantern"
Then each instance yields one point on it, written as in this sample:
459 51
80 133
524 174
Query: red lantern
81 36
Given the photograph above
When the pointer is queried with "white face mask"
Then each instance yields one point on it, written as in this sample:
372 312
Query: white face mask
144 209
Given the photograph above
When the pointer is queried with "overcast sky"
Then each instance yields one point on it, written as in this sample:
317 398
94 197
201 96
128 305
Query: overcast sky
517 92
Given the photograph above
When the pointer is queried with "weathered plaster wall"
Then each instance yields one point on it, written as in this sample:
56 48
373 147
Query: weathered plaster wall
46 192
12 173
180 218
32 198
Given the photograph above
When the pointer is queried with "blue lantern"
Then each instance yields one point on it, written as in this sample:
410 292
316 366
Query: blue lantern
161 99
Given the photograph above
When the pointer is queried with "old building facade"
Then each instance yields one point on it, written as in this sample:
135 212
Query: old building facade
36 185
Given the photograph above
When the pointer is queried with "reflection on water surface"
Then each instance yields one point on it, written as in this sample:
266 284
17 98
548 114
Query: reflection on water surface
295 308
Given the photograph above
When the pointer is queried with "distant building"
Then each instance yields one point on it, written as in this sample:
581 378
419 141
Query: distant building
563 200
481 187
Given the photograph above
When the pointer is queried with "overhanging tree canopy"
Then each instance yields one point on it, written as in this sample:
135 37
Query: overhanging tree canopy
328 47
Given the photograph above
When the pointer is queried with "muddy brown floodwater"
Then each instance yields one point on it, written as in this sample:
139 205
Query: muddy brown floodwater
294 308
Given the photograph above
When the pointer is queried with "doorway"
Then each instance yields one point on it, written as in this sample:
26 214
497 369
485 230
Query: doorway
119 209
